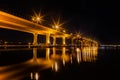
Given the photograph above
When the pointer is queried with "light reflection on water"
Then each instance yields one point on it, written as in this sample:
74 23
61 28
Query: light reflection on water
54 59
34 76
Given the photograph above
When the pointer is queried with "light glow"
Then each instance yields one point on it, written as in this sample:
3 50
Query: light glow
38 18
56 24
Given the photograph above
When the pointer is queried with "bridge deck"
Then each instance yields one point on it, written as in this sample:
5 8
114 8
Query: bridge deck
9 21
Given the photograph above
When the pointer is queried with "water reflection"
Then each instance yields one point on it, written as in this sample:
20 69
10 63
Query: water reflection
20 70
55 66
34 76
86 54
79 55
60 58
65 56
47 53
35 55
55 59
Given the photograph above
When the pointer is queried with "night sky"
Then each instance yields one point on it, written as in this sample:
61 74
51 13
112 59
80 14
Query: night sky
97 19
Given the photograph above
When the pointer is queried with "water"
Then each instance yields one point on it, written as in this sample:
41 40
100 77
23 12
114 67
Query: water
59 63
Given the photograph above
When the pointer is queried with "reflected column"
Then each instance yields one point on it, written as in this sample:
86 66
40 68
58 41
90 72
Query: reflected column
54 51
55 65
48 53
35 55
79 55
63 42
64 57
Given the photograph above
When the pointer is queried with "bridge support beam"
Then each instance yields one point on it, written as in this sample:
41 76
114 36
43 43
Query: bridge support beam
35 39
63 42
48 39
54 40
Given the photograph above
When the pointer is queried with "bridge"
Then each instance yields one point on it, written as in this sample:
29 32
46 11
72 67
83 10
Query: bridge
12 22
9 21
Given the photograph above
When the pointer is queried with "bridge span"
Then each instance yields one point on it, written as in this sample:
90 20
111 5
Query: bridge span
9 21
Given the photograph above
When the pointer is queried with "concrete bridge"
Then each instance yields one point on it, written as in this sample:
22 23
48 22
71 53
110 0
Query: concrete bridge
12 22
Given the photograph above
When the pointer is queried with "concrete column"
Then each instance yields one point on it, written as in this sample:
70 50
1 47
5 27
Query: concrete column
47 38
63 38
35 39
54 40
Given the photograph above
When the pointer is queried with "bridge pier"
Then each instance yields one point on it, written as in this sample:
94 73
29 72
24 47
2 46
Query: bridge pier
47 38
63 42
54 40
35 39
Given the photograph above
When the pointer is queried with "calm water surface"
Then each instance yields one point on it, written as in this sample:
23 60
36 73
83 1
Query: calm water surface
60 63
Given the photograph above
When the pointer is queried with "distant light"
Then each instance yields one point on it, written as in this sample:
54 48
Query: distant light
64 31
78 35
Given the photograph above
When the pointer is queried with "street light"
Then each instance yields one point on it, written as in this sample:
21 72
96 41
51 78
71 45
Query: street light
78 35
56 24
38 18
64 31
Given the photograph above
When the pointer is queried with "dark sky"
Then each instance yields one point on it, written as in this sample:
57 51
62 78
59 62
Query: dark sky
98 19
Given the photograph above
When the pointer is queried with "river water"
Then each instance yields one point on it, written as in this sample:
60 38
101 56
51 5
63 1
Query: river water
60 63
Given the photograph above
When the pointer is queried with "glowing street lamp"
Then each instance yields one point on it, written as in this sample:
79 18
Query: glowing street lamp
78 35
38 18
64 31
56 24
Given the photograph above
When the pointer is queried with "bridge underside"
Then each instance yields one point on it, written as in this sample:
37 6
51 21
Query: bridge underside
9 21
19 27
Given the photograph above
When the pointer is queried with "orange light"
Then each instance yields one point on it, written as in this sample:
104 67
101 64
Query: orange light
38 18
